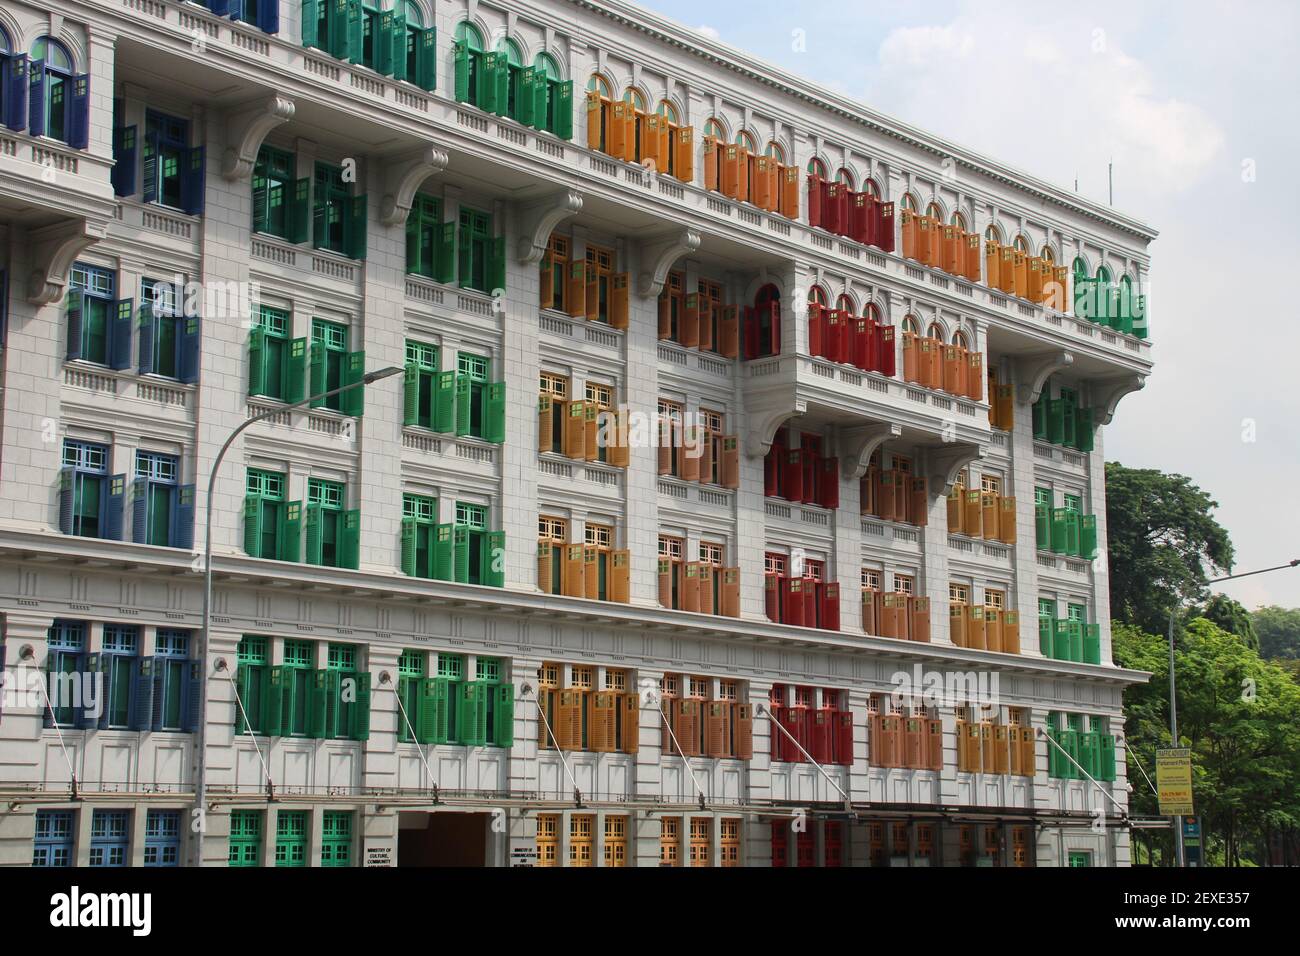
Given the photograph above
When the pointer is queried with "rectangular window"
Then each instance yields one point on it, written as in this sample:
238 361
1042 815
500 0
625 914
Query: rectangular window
332 536
253 658
472 394
245 838
291 838
98 325
412 667
173 171
959 593
162 838
481 255
580 839
52 844
421 386
171 679
555 274
66 642
336 838
548 839
274 193
118 663
160 326
991 483
110 832
272 526
162 513
430 242
701 842
299 661
90 506
273 371
338 217
871 578
904 584
419 536
995 598
329 362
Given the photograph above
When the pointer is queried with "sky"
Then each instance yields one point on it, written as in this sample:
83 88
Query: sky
1189 100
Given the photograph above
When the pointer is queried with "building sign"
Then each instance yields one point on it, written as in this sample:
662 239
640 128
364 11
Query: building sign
379 855
523 855
1174 781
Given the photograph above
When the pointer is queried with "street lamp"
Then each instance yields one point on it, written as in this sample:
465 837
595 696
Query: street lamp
200 783
1173 703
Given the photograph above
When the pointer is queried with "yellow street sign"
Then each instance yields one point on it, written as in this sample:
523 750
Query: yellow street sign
1174 781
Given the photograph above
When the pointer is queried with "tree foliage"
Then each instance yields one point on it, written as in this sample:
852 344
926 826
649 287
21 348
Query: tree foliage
1279 631
1228 615
1162 537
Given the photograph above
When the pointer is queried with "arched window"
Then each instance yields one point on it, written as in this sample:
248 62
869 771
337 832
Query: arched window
817 295
420 45
817 168
1103 275
765 326
635 97
911 325
598 84
1022 245
843 175
667 111
774 150
745 140
871 311
993 234
546 70
959 338
934 211
1080 269
514 74
958 220
870 187
1047 254
845 304
908 202
59 95
713 127
5 51
468 52
935 331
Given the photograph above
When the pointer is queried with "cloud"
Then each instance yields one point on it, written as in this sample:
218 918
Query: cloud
710 32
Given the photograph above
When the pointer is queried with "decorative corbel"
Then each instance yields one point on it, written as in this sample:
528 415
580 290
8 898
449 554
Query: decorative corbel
403 178
661 254
945 464
763 425
857 444
247 129
1034 370
54 249
538 219
1106 394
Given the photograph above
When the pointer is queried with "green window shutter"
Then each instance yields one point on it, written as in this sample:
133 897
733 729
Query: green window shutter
354 238
541 96
244 676
1060 640
316 377
356 46
1092 644
256 360
1039 415
487 83
471 720
502 82
564 110
1060 520
1056 421
383 42
350 541
1043 527
503 723
295 390
1084 429
290 536
1069 431
273 701
414 244
464 395
253 526
408 546
1045 636
426 68
300 210
318 704
1072 533
1088 537
426 717
1074 630
411 395
460 52
314 518
494 427
526 98
444 253
336 26
443 557
443 701
497 267
353 401
310 15
444 402
464 257
361 708
494 560
460 549
1106 758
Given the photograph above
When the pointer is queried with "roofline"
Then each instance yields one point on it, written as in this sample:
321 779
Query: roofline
739 61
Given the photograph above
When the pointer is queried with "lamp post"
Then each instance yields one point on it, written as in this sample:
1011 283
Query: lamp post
1173 702
200 741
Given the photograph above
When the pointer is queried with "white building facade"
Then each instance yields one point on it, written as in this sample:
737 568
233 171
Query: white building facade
462 626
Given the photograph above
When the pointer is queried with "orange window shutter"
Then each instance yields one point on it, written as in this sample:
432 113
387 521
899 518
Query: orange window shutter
975 626
1015 765
744 170
630 723
545 414
989 513
867 492
992 629
1006 405
620 579
975 376
1010 632
911 357
1008 270
953 251
1061 291
913 741
934 744
920 503
1034 272
742 731
936 363
546 283
684 161
993 264
606 714
955 510
691 454
706 324
575 584
730 592
665 315
595 116
729 332
577 289
689 328
731 171
707 441
987 761
972 261
591 297
591 432
690 587
591 571
925 239
616 141
762 184
544 572
710 163
951 369
957 623
790 192
618 301
1021 265
869 610
919 608
665 582
650 142
716 732
729 466
575 429
974 512
705 575
907 219
620 453
1028 757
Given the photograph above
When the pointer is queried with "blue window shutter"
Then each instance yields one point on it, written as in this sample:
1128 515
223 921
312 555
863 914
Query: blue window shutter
189 348
79 112
268 16
15 83
143 693
157 700
191 702
220 7
192 181
150 191
182 525
123 174
36 98
91 663
76 305
148 326
139 510
2 670
116 503
119 334
67 479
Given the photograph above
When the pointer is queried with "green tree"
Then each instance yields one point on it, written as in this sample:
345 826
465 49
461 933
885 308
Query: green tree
1162 536
1279 631
1230 616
